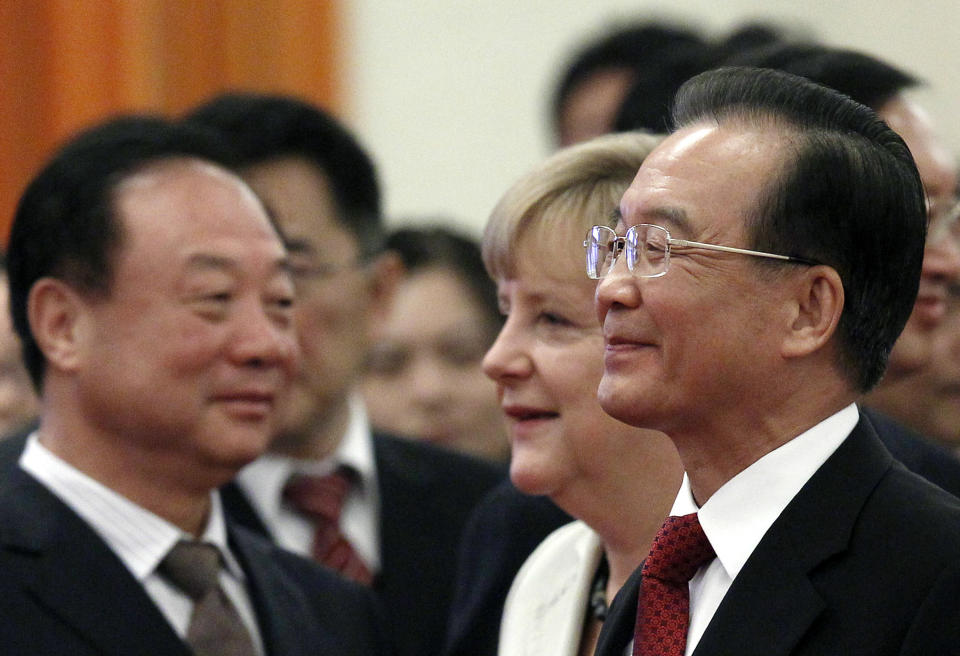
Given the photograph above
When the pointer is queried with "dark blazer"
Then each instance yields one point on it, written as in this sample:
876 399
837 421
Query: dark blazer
864 560
64 592
426 495
502 532
917 453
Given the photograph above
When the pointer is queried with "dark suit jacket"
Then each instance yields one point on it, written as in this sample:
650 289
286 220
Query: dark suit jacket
864 560
503 531
917 453
64 592
426 495
508 525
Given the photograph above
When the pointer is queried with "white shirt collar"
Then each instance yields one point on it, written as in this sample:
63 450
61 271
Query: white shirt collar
263 479
140 538
778 476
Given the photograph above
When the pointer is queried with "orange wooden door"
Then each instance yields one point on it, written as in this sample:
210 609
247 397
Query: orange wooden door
65 64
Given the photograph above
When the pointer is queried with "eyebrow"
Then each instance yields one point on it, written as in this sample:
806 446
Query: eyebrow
675 218
207 261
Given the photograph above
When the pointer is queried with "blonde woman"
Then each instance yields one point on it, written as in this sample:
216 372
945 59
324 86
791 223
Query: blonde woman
618 481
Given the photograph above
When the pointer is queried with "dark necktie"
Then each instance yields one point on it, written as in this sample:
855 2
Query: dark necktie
663 610
215 626
321 499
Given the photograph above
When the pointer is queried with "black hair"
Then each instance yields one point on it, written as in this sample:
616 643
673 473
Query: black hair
848 195
863 77
262 128
437 246
633 46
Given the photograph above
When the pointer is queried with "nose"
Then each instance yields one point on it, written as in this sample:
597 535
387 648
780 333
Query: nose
507 358
618 288
264 338
941 259
428 380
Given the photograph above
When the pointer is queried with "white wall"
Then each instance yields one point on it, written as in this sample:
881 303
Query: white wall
450 95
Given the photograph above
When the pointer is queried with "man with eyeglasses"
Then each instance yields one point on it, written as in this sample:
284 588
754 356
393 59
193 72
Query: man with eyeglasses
401 503
765 260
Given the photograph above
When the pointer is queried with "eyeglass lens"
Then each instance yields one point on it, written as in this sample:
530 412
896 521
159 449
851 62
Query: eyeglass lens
646 249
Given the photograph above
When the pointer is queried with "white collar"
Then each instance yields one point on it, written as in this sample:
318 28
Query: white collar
140 538
739 514
264 478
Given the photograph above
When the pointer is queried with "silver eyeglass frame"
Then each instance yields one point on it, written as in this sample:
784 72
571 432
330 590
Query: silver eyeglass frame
621 244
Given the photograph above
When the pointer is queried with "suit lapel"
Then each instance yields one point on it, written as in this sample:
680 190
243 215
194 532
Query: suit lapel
621 620
773 601
280 604
67 569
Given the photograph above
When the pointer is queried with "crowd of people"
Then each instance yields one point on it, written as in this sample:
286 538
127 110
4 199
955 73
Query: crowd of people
696 389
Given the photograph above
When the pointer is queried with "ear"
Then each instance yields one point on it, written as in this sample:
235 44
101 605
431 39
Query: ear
56 314
818 304
386 271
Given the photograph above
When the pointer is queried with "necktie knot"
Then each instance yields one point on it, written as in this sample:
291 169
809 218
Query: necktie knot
192 566
319 497
679 550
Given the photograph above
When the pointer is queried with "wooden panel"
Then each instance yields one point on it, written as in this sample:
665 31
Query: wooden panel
65 64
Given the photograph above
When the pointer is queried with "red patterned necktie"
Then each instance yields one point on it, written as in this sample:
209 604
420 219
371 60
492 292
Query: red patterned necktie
663 611
321 499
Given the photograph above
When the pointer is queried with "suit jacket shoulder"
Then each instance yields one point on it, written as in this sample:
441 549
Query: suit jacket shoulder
917 453
501 533
427 494
62 590
304 608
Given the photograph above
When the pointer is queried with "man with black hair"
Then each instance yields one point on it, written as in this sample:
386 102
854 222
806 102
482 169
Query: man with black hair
747 335
404 502
884 88
154 300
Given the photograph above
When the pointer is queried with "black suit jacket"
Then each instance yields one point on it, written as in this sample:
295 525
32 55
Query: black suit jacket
64 592
503 531
864 560
918 454
426 495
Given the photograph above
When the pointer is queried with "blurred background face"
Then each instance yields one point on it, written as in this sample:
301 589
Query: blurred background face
424 379
592 105
928 399
941 261
334 306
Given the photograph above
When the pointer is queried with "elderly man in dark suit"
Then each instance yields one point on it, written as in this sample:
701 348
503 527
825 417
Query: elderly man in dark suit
154 300
380 509
766 258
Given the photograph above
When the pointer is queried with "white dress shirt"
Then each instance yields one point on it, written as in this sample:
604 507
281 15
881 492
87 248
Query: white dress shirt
739 514
139 538
264 479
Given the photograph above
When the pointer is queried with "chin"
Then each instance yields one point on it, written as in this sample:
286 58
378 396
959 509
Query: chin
530 478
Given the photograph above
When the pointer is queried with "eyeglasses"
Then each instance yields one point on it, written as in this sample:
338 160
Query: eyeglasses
648 250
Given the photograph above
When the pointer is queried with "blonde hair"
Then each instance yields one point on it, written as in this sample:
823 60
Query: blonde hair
574 189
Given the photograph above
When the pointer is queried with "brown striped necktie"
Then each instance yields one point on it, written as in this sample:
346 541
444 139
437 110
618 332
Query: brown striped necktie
215 627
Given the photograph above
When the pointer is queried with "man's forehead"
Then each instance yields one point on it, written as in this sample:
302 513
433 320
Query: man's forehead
698 168
173 169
